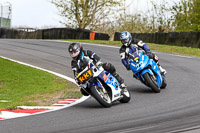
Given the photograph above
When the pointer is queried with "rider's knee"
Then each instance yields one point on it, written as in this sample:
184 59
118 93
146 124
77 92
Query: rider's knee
109 67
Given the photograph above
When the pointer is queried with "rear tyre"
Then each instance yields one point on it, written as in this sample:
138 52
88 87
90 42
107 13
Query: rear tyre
151 82
101 96
126 97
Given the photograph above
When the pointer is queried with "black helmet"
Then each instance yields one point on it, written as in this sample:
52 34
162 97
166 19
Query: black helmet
75 50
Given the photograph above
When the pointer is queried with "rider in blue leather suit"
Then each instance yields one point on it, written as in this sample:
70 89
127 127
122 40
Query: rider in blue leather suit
129 47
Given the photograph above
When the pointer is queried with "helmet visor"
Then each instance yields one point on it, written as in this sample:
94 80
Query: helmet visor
125 40
74 53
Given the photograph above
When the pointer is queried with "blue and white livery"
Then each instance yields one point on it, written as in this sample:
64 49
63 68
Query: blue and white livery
102 85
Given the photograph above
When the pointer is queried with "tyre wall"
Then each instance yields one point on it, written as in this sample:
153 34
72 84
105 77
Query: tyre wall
188 39
53 33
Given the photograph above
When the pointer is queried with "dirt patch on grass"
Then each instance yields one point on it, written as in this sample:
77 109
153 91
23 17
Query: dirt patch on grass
1 84
49 99
46 99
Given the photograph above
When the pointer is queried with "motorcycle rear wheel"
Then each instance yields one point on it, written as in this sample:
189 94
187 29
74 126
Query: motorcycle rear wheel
164 83
101 96
152 84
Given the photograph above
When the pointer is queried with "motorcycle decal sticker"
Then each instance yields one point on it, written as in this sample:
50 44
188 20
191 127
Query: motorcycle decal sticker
112 81
156 57
133 64
142 58
105 77
116 95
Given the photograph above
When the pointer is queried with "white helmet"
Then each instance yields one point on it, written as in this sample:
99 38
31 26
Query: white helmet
126 38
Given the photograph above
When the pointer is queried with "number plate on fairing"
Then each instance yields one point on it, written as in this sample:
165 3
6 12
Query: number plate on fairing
84 76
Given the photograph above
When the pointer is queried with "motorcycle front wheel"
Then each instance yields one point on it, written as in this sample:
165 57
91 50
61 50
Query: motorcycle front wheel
101 95
151 82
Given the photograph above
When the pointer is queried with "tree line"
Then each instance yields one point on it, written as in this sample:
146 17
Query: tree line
109 16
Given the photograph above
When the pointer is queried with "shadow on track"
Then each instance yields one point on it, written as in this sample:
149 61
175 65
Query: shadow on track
139 89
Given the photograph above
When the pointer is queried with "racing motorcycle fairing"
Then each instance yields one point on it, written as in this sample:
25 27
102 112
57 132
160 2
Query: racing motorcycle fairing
110 82
142 64
96 76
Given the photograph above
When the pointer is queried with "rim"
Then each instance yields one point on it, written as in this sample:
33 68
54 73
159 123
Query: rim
104 95
154 80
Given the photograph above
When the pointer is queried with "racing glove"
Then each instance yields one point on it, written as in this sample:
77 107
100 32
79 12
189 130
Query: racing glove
99 63
149 53
78 84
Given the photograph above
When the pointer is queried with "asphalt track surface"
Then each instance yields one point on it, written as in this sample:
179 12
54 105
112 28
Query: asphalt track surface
174 109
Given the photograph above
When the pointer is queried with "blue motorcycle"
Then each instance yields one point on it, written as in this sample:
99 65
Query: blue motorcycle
147 71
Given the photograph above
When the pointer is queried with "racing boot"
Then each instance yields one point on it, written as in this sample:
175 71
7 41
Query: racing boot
162 70
123 87
121 82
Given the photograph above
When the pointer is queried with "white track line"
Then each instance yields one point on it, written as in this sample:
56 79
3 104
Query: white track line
57 74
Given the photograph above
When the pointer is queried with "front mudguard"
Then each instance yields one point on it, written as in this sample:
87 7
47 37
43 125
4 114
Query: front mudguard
159 80
95 83
147 71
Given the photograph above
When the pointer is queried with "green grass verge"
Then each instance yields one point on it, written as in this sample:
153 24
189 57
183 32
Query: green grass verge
23 85
156 47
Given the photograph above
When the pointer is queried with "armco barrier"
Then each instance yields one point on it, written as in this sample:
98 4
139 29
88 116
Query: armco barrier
188 39
53 33
7 33
101 36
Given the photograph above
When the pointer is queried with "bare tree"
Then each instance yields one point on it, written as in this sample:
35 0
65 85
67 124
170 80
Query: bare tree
83 13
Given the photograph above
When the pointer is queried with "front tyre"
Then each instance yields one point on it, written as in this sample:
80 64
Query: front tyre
101 95
151 82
